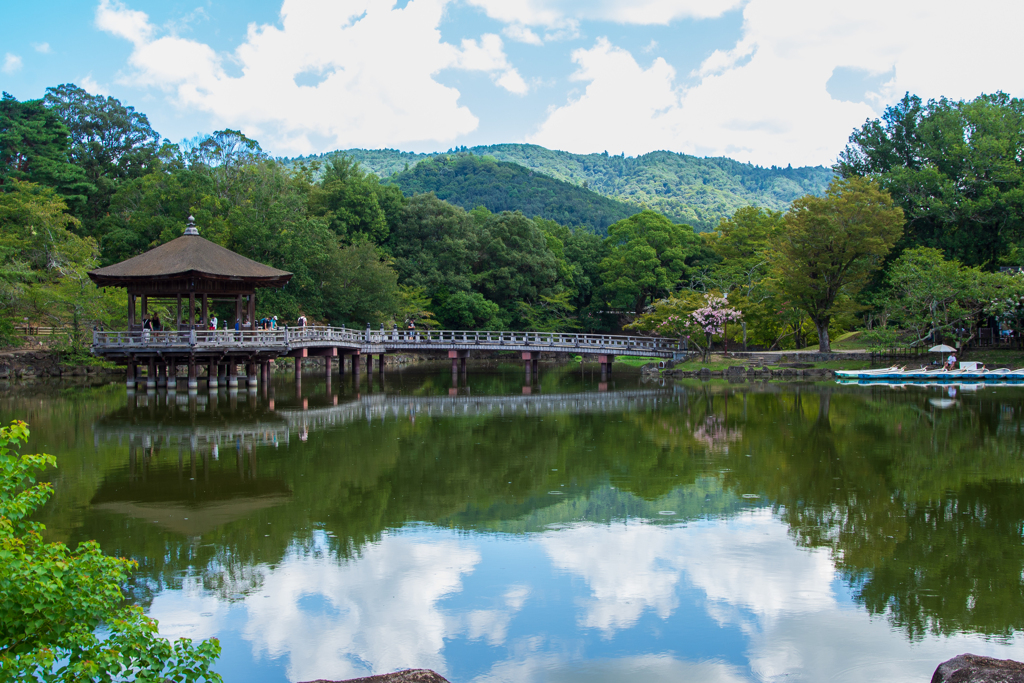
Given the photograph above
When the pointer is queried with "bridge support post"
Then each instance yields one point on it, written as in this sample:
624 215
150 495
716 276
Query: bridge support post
380 363
265 372
369 362
355 367
193 377
530 359
298 368
458 361
151 374
161 374
172 374
327 367
251 380
232 373
211 374
606 361
130 381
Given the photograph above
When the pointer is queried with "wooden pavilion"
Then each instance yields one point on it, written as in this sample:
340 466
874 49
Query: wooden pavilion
192 274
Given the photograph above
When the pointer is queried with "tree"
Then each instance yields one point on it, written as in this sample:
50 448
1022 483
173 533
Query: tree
431 245
53 599
832 244
44 266
956 168
928 294
512 262
355 204
693 317
646 260
109 141
34 146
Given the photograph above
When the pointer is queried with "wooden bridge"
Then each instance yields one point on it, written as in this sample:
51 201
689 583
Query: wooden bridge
222 351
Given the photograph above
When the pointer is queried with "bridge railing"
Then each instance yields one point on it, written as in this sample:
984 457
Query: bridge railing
190 339
284 338
609 342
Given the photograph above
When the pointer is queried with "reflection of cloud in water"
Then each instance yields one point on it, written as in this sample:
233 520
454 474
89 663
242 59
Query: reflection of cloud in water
377 613
748 563
549 668
383 610
628 567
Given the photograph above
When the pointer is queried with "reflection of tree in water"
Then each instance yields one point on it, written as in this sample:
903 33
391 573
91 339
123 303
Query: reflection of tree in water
917 504
714 435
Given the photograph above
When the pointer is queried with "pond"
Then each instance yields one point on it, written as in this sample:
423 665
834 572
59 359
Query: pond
567 530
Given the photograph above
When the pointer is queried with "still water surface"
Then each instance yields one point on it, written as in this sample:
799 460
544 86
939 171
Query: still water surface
704 532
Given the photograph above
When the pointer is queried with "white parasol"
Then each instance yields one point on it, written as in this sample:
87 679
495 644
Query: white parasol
941 348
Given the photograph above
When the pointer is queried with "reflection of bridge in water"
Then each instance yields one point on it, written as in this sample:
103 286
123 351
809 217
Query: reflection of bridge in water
201 429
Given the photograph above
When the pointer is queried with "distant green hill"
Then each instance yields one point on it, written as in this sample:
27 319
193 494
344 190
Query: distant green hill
689 189
469 181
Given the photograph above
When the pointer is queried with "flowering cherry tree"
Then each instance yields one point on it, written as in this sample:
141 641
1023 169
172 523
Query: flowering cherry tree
694 317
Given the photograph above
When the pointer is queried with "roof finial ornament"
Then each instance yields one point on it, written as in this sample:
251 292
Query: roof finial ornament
190 227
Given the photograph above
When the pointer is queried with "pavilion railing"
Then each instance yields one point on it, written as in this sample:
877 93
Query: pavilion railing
393 339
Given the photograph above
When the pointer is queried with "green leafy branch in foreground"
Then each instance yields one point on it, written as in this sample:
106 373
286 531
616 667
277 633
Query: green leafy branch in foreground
53 600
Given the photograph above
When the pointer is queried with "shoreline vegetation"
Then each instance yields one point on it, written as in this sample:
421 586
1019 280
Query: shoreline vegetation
913 238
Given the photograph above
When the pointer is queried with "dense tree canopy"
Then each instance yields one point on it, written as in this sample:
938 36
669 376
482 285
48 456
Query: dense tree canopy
956 168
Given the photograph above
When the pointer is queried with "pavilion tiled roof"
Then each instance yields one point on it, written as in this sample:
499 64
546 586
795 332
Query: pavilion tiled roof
188 255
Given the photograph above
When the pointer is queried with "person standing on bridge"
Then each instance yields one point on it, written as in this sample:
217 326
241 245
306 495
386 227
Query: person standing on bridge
302 320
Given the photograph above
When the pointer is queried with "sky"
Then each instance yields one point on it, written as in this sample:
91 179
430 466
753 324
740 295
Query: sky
772 82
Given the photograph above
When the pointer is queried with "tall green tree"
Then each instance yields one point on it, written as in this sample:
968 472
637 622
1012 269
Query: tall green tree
109 141
354 203
35 147
956 168
646 259
512 262
831 245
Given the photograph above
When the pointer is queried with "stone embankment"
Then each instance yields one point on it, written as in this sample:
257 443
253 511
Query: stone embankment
32 364
740 373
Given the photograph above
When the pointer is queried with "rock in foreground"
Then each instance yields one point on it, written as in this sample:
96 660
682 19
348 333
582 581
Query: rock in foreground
969 668
407 676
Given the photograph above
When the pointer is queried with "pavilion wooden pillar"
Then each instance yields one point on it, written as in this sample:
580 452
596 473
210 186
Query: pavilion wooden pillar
131 311
238 312
145 306
252 311
179 312
206 314
191 310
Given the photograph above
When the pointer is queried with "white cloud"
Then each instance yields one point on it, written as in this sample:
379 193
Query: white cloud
377 66
559 13
43 48
113 17
12 63
89 84
522 34
765 99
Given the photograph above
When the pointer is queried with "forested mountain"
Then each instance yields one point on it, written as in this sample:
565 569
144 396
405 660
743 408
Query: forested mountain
470 181
685 188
